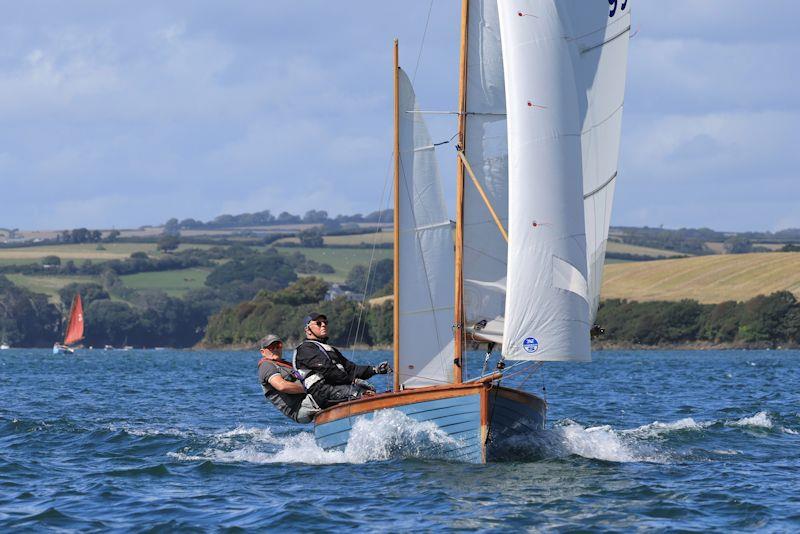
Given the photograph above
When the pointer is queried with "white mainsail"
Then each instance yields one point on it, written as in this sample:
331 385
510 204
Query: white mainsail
426 255
554 53
486 148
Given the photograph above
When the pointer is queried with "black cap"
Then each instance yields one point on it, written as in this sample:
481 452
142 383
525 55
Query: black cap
313 316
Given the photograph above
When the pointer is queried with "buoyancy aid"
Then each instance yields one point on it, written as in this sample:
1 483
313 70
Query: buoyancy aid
308 404
285 365
310 377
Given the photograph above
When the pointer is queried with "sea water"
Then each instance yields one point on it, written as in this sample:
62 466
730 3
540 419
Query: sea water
184 440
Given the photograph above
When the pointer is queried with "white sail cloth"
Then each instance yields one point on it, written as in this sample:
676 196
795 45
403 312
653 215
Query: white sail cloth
547 307
426 255
595 36
599 63
486 148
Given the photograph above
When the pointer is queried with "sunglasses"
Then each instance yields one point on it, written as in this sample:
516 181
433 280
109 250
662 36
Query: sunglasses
273 345
319 322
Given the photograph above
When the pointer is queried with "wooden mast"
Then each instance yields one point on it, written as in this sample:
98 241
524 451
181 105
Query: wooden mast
458 316
396 302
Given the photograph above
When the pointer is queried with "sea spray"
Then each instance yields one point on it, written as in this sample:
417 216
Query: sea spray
392 434
759 420
389 434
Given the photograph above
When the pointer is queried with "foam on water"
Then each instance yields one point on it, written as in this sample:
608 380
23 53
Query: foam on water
147 431
759 420
389 434
604 443
658 429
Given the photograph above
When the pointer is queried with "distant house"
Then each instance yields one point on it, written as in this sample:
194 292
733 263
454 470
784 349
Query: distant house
337 291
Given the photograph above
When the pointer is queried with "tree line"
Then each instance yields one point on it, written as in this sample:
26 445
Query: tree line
766 320
266 218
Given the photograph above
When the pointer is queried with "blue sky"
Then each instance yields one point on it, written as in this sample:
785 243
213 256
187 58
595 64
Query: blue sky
127 113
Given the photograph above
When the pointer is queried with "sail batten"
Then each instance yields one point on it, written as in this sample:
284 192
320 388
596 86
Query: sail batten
426 255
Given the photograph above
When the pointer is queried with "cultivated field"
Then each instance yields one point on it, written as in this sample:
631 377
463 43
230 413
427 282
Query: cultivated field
85 251
707 279
341 259
624 248
174 283
355 239
49 285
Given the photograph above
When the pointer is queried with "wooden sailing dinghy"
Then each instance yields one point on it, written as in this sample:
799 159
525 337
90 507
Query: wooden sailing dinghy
74 332
539 120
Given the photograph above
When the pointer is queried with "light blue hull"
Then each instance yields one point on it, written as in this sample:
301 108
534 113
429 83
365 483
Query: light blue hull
484 423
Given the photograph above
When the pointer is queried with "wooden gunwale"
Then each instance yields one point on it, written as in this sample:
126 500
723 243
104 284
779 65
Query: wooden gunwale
384 401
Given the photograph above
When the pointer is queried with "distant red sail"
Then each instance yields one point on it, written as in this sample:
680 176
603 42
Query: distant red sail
75 326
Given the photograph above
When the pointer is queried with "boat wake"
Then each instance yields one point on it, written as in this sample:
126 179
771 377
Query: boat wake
653 442
388 435
391 435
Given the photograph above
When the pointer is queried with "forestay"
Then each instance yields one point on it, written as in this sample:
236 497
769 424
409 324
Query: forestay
486 149
426 255
547 74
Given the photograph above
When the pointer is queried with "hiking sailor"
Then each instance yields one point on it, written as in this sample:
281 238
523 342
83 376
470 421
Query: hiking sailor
328 376
281 383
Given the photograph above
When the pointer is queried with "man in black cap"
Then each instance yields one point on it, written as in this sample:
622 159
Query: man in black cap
328 376
281 384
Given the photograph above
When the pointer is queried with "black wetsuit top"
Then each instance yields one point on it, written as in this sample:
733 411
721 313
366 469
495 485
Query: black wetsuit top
334 368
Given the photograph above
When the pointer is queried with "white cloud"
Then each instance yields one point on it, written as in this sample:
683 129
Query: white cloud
191 110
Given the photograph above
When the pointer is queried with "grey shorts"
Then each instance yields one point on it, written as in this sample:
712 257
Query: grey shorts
308 409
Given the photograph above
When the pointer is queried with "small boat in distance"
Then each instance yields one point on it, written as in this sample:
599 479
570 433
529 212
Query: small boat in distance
74 331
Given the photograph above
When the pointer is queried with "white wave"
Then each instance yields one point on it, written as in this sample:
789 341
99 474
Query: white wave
148 431
389 434
759 420
726 452
255 434
658 428
392 434
790 431
604 443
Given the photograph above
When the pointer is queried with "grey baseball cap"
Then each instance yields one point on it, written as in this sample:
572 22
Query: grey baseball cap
268 340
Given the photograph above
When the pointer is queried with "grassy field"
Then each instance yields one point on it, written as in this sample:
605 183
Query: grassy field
174 283
49 285
707 279
85 251
341 259
356 239
624 248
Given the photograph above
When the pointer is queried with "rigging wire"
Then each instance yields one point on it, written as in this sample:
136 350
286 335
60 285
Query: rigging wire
381 212
422 43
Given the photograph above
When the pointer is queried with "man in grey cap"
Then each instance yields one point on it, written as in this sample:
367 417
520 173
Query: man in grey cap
328 376
282 385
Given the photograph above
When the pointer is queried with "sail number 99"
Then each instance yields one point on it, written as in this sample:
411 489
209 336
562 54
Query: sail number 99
614 4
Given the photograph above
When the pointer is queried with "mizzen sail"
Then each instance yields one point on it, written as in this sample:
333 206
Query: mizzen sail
426 255
75 325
